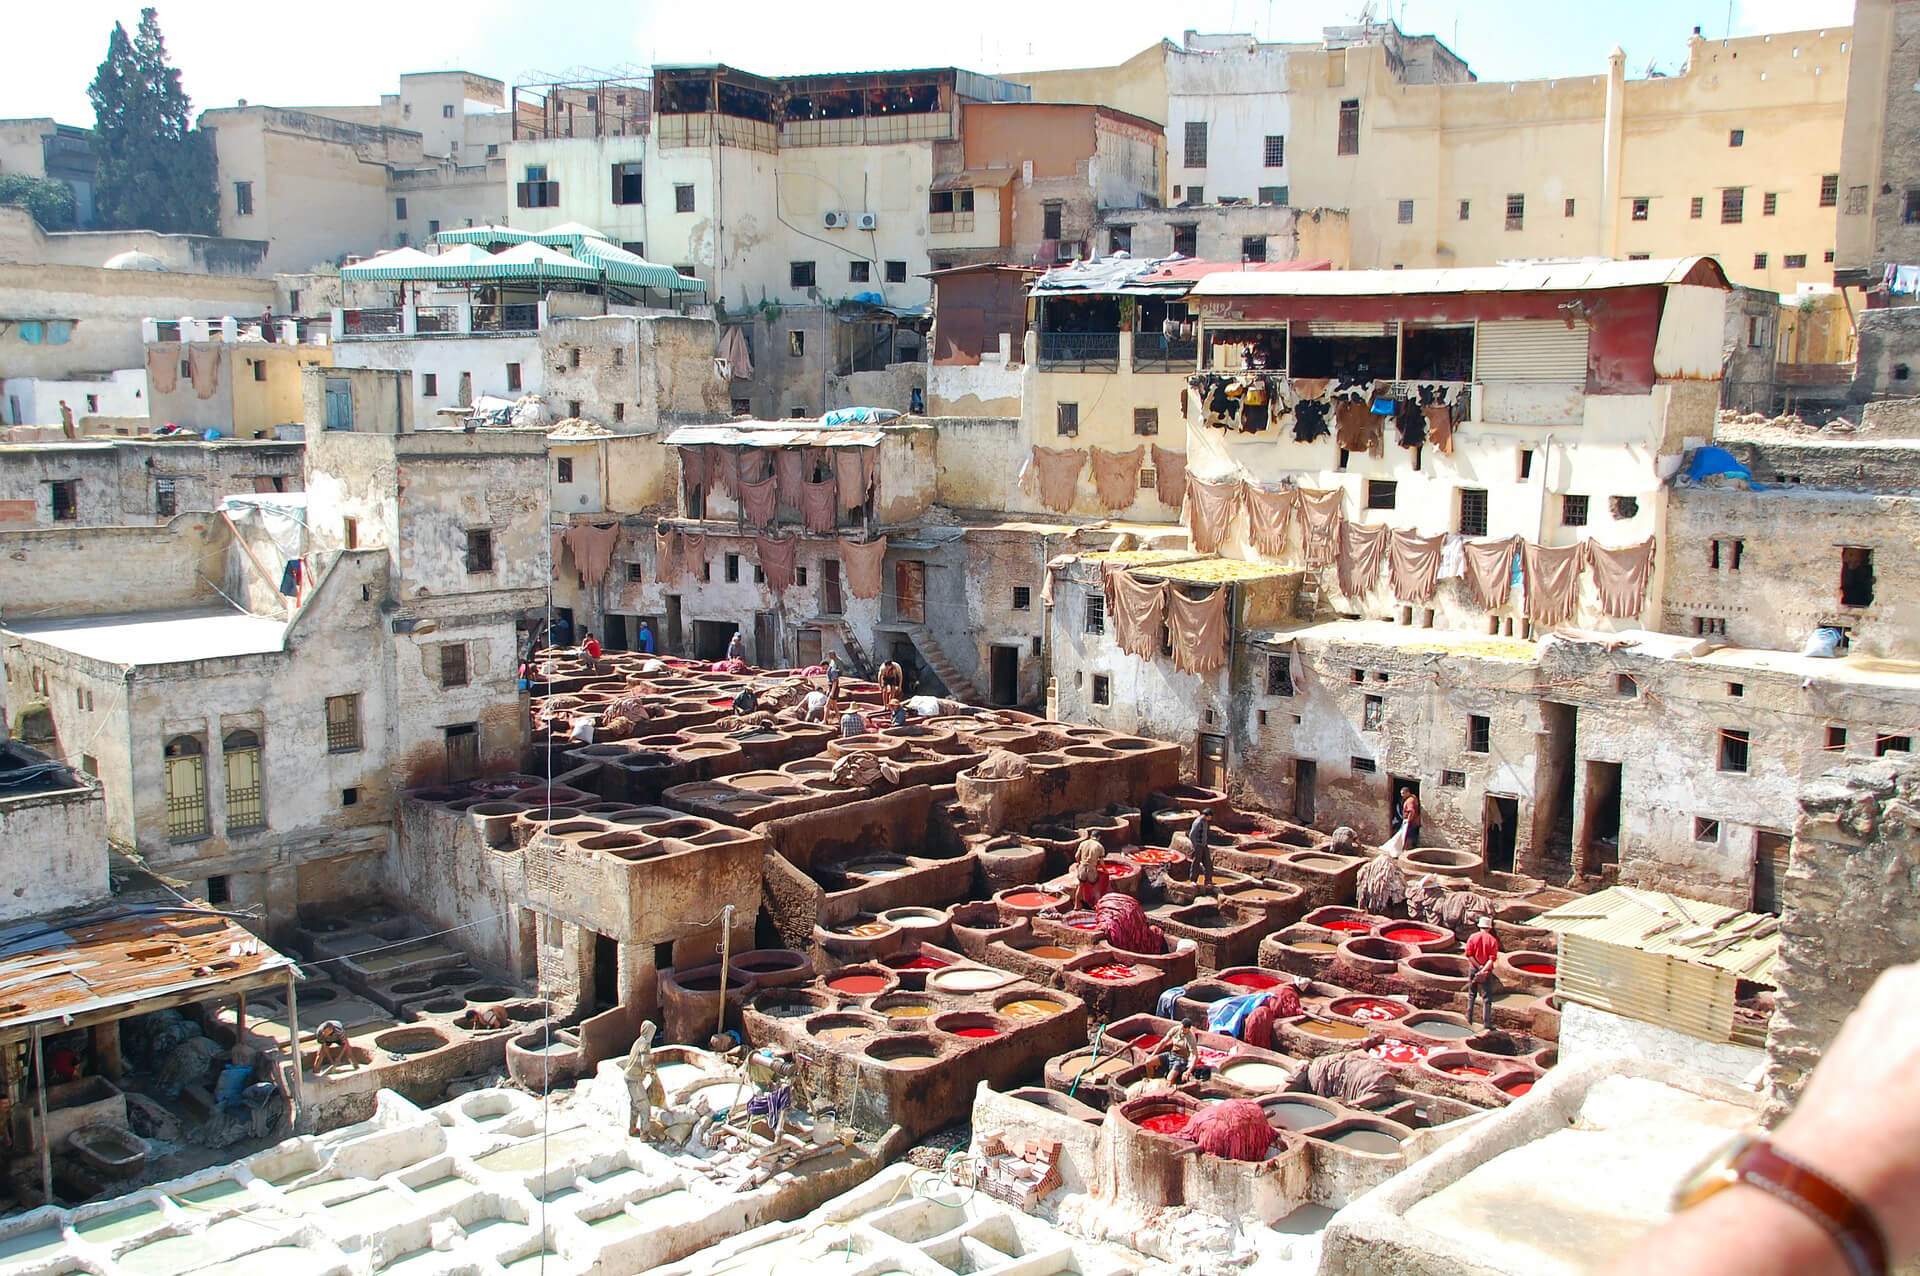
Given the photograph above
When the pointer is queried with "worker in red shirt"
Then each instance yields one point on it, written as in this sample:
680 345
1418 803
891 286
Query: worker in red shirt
1482 949
592 647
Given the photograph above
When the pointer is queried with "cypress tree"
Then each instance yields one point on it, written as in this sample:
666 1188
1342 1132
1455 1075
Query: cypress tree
156 171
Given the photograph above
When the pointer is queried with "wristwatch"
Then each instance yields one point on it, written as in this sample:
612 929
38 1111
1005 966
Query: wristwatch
1751 1159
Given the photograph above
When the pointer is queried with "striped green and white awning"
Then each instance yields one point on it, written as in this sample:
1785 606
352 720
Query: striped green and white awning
593 260
484 235
634 271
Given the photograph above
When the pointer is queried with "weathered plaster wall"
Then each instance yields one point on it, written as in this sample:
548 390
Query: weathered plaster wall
73 572
483 364
106 307
61 840
990 388
257 386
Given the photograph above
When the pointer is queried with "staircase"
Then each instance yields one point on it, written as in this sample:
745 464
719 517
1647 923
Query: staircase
957 683
857 658
1306 599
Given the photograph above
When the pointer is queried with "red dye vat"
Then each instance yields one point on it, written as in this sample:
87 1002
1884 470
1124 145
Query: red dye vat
1166 1123
1084 921
858 985
1372 1011
1110 972
1399 1052
1533 967
1032 899
1347 925
1155 855
976 1032
1411 935
1211 1057
923 963
1109 869
1248 979
1466 1070
1148 1042
1518 1088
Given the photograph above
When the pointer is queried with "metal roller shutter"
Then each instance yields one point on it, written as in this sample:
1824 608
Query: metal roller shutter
1531 350
1344 328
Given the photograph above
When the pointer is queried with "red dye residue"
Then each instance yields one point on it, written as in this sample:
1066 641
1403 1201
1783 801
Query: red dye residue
1113 971
1032 899
924 963
1148 1042
1248 979
1109 869
1465 1070
1533 967
1410 935
1347 925
1400 1052
858 985
1371 1011
1166 1123
976 1032
1519 1088
1211 1057
1084 921
1155 855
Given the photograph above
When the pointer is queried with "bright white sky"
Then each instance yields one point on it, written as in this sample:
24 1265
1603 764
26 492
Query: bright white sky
350 51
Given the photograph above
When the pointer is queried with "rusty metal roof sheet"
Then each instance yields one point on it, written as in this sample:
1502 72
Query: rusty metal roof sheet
1744 945
1544 276
104 967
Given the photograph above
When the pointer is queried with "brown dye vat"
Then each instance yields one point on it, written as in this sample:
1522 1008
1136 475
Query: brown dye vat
1030 1008
906 1050
796 1004
416 1039
1313 946
1082 1067
443 1006
1440 966
1333 1031
1050 952
771 967
843 1027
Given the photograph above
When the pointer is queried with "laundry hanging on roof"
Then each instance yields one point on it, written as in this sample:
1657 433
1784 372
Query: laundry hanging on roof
777 556
1055 476
864 561
1197 629
1413 565
1268 515
1209 511
1169 476
1138 608
163 368
1116 476
665 568
789 471
1359 430
1320 523
1362 547
853 475
733 348
690 553
1553 581
819 505
1621 576
592 550
1409 423
1310 421
758 501
1490 568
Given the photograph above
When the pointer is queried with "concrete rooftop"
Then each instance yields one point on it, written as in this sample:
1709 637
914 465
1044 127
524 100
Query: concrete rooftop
158 637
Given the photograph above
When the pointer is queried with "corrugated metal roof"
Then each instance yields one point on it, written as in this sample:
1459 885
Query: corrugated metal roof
1549 276
754 434
101 968
1745 945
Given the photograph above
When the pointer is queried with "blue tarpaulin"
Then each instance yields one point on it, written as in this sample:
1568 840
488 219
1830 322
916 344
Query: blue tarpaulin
1711 462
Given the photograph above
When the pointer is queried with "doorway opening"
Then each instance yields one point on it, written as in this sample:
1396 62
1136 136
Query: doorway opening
1500 825
807 649
710 638
615 637
1394 784
606 971
675 637
763 645
1553 817
1210 761
1003 682
1600 836
1772 856
1303 784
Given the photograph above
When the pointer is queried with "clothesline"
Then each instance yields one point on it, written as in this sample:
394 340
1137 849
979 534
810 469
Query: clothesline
1052 476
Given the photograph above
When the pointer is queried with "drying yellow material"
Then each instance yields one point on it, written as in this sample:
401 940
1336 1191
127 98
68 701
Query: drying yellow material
1136 557
1216 571
1487 648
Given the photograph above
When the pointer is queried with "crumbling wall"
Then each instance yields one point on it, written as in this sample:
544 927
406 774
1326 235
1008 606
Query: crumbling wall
1849 913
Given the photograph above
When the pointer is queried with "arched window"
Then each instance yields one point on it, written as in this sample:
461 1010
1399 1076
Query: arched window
246 805
186 788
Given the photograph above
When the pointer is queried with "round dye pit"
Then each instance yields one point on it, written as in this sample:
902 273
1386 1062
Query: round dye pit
864 930
858 985
1411 935
1078 1066
1466 1070
1401 1053
844 1032
1083 921
1518 1088
1148 1043
1368 1009
1446 1028
1256 1075
1291 1114
921 963
1166 1123
1156 855
1050 952
1535 967
1251 979
1347 924
1109 868
1261 895
1112 972
1378 1142
910 1052
976 1032
1031 1008
907 1012
968 979
1033 899
1312 946
1332 1031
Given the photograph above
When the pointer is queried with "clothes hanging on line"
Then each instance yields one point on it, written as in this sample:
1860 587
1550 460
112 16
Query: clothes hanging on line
1409 423
1268 515
1056 472
1490 570
1359 430
777 556
592 550
1209 511
863 561
820 505
1362 547
758 500
1116 476
1320 521
1553 580
1197 629
1169 476
1138 609
1414 565
1310 421
1621 576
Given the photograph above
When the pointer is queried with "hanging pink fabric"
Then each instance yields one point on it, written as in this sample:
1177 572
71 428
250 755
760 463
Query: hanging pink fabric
777 560
723 470
1116 476
1553 582
1138 609
1169 476
820 505
1320 521
1362 546
1210 510
1413 565
864 561
1057 471
664 566
1268 514
757 502
559 551
163 368
852 470
592 550
1197 629
756 464
790 471
693 476
1490 570
203 366
1620 576
690 553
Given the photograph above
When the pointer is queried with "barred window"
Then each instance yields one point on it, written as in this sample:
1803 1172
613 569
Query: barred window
246 806
343 723
186 788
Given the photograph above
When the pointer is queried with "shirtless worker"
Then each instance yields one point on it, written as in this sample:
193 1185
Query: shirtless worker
1086 870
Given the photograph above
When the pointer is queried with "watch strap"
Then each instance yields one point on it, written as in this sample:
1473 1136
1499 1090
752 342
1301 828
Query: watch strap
1835 1209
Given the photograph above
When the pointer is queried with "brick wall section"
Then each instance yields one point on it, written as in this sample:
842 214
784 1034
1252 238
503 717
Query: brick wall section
1849 907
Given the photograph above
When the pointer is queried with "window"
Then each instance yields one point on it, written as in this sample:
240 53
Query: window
1195 154
1406 212
1022 598
1726 553
733 567
1186 238
573 356
1526 463
1829 190
1102 689
1050 219
627 186
1275 195
1149 479
1697 207
1360 765
1625 687
1735 747
186 788
1856 576
1253 248
638 247
636 573
1381 493
90 764
1479 733
1709 626
1737 137
1066 419
1769 203
1573 511
1733 204
243 199
1349 139
166 503
759 575
859 272
218 890
1516 211
1120 239
1794 261
1642 209
683 198
433 226
513 376
800 274
1275 153
463 752
480 549
619 413
350 533
1146 420
446 112
1736 689
1356 676
796 342
1372 709
400 209
1473 511
685 270
1279 675
619 356
896 272
960 201
429 385
246 808
1759 261
1706 830
1096 622
1623 507
573 407
1466 207
63 496
1569 211
1885 744
343 723
1836 739
453 664
563 469
293 300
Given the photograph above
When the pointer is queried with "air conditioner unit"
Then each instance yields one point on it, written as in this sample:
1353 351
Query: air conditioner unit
834 220
868 221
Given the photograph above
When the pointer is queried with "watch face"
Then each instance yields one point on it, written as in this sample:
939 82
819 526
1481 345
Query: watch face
1713 1173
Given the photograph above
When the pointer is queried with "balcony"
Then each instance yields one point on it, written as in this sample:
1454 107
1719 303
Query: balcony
955 223
1079 351
459 319
1153 352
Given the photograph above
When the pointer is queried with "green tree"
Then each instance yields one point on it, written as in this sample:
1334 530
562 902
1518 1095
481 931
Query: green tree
50 201
156 170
